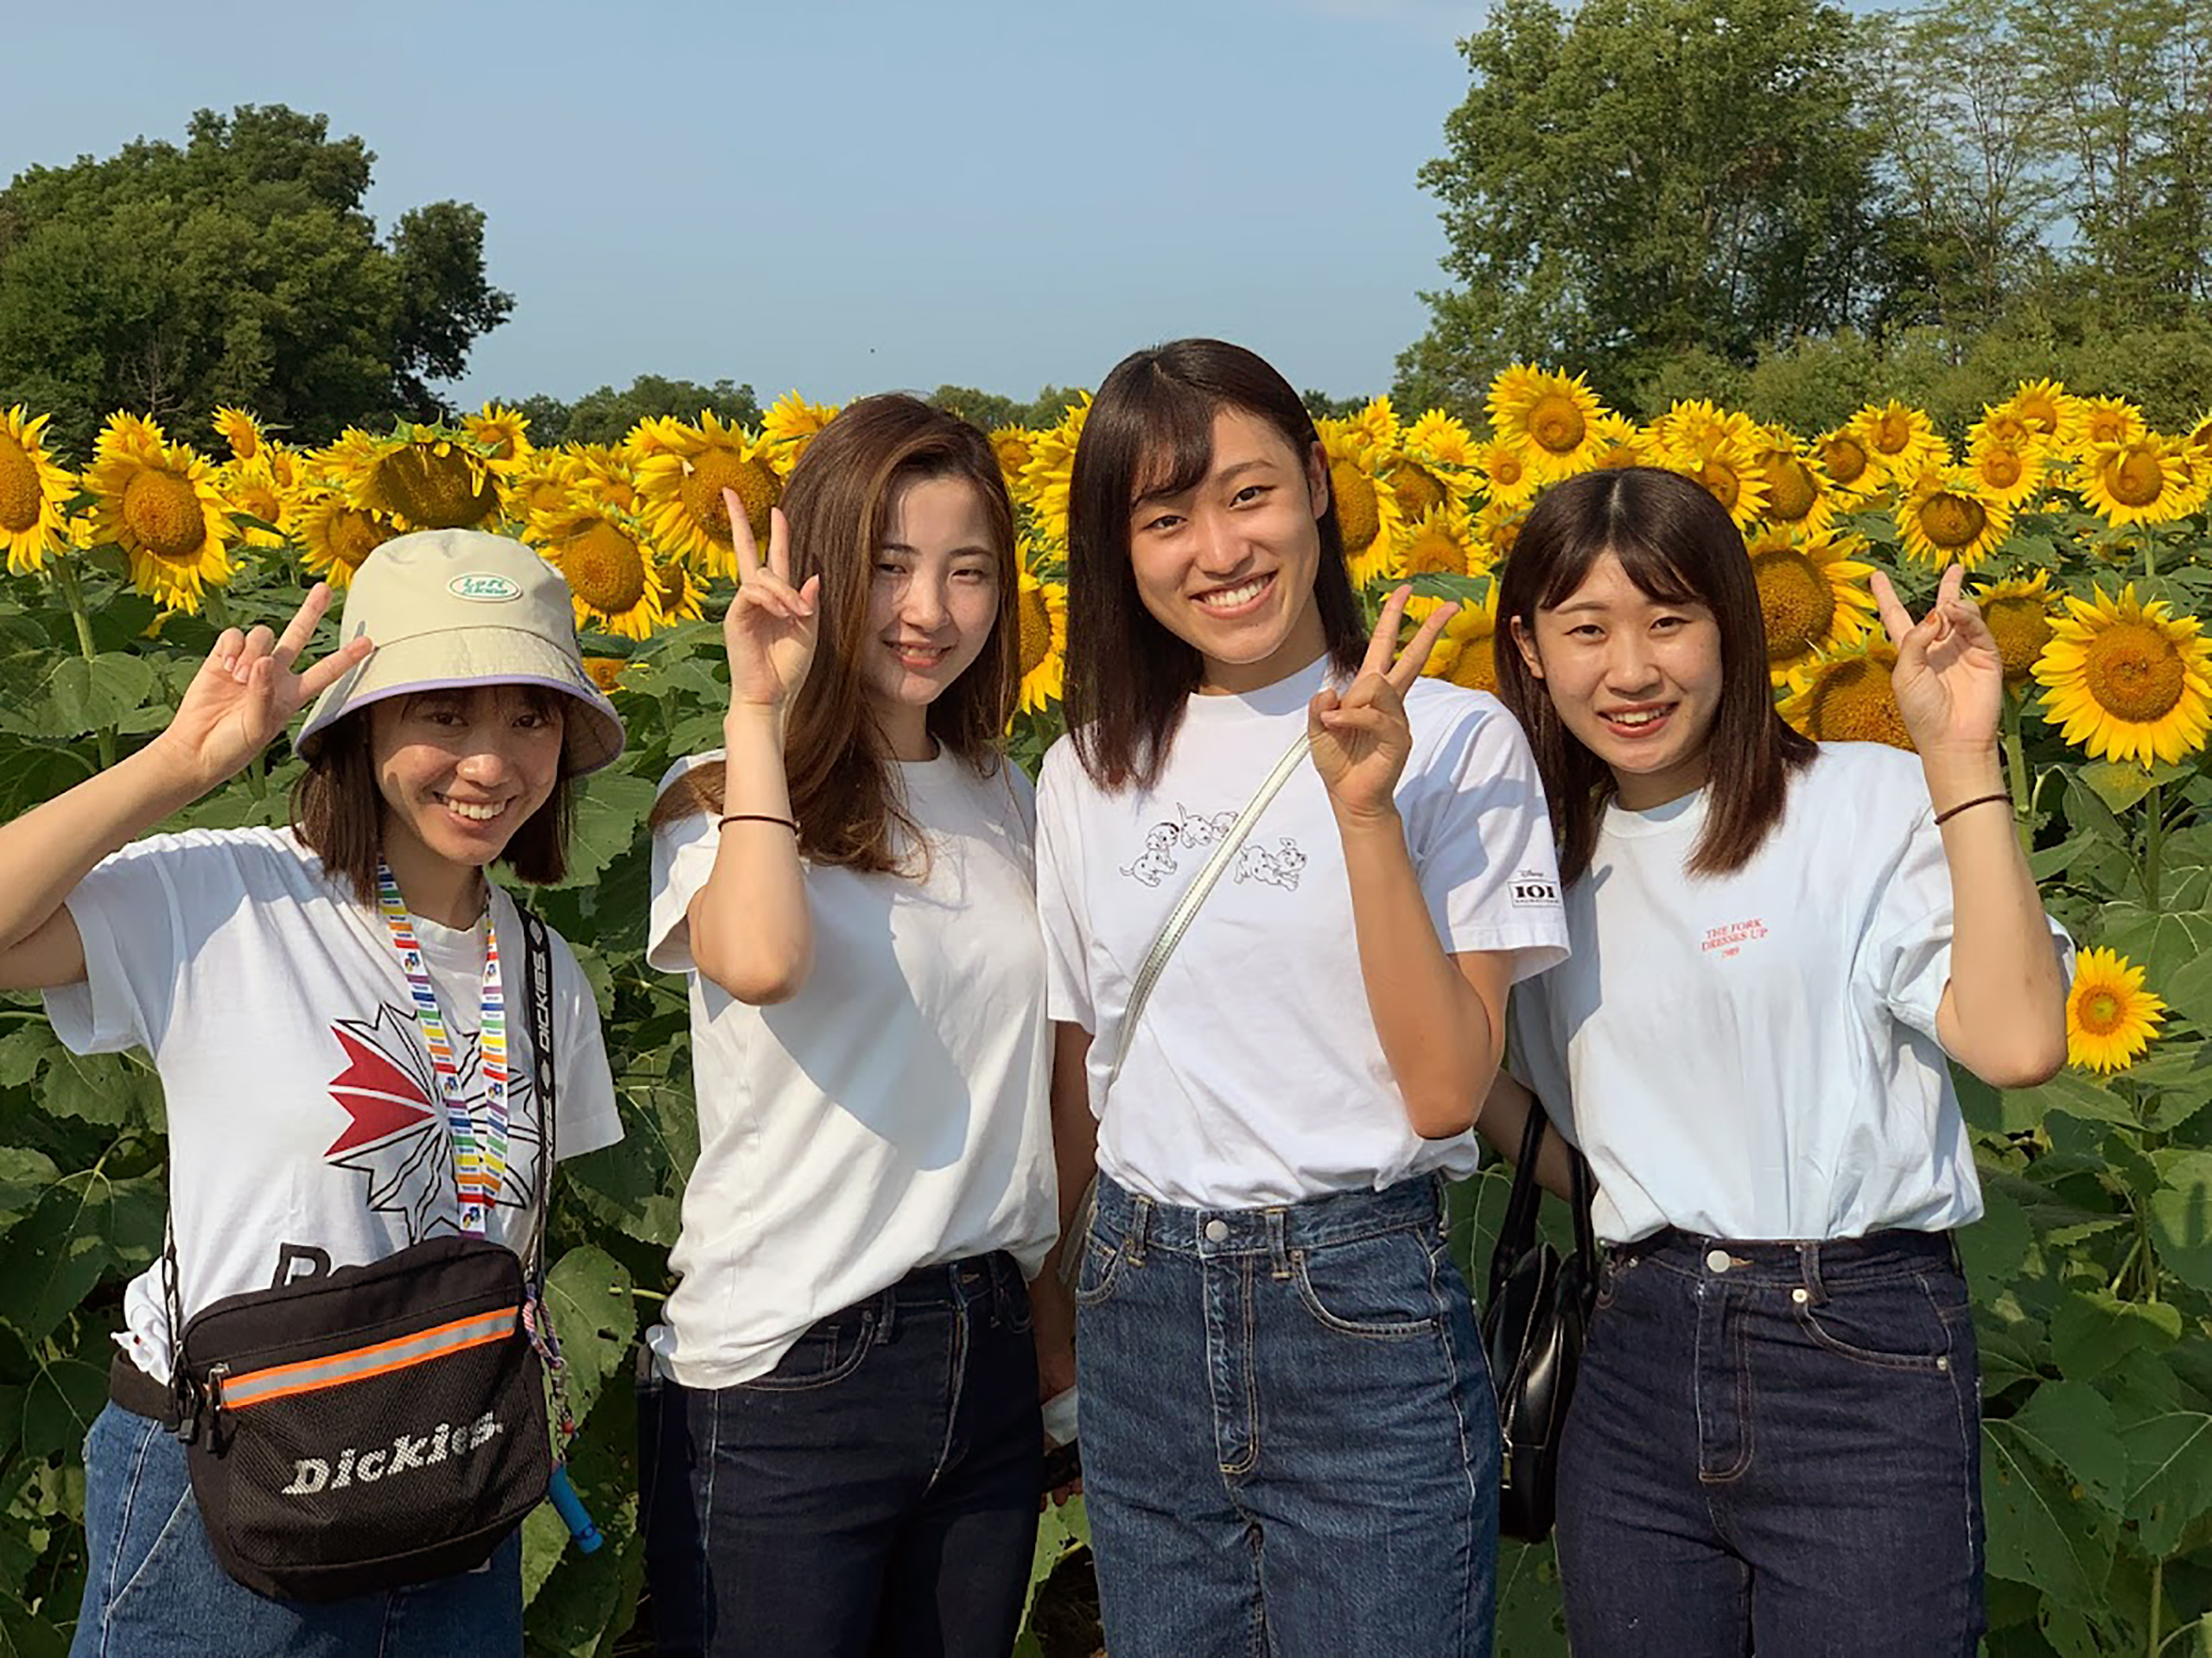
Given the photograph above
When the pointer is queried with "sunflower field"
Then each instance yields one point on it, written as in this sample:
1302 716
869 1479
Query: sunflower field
2086 536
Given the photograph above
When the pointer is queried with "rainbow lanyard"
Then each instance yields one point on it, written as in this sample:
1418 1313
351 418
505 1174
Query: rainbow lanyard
479 1170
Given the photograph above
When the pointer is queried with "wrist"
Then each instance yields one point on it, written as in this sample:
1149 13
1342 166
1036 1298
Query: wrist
1379 821
171 778
748 722
1958 774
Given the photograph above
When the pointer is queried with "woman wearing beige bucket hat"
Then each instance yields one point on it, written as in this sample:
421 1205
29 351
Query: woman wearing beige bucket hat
324 1004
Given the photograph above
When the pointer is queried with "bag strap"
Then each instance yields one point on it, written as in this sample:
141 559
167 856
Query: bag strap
1186 907
537 992
1516 1233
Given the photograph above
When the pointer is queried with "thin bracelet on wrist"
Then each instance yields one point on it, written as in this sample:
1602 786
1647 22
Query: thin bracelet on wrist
1967 805
755 817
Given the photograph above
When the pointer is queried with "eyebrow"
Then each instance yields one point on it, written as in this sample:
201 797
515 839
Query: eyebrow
1258 463
957 552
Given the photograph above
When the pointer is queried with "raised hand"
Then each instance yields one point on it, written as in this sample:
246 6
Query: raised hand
246 692
1949 677
770 628
1360 736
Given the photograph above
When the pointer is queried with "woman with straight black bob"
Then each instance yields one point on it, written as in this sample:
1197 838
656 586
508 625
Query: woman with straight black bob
1778 948
1289 1442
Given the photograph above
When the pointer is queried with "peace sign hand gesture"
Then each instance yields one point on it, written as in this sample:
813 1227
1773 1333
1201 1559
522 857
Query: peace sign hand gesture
771 627
1949 677
246 693
1360 736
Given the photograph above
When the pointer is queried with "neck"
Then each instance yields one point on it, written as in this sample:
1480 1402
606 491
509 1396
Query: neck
435 888
1640 792
906 728
1306 641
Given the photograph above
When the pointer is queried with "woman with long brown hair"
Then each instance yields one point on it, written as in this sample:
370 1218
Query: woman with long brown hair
842 1432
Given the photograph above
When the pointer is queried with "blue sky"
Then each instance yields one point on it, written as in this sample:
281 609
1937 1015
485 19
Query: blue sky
845 195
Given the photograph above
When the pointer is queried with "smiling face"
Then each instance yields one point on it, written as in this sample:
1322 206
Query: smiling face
932 604
460 770
1636 680
1228 565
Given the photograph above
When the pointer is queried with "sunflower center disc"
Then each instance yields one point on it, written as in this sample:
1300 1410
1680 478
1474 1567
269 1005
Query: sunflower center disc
2021 628
354 535
1476 666
2136 478
1951 520
717 469
1855 704
1435 552
1416 488
2001 468
1358 513
19 500
2134 672
604 567
2099 1014
434 491
1556 424
1892 432
1791 491
1844 458
1036 630
1796 602
1013 451
162 513
1722 482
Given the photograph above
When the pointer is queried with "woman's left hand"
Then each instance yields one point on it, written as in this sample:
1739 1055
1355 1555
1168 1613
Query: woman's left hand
1360 736
1949 677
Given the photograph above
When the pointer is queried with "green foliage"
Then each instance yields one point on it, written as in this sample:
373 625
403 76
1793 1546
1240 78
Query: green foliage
240 269
990 411
607 415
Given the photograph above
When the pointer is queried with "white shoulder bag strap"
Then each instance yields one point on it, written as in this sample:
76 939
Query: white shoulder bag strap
1186 907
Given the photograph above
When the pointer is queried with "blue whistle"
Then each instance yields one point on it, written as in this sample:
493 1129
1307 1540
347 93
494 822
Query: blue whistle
570 1508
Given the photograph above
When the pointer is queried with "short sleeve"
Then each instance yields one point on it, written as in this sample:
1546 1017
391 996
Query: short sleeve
1535 1054
590 1118
136 937
1482 842
684 857
1905 958
1060 910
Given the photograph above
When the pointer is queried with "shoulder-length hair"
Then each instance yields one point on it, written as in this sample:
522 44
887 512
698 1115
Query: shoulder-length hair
844 788
1678 546
337 809
1150 431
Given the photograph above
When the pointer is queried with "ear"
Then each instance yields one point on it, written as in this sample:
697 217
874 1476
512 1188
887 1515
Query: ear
1526 644
1316 478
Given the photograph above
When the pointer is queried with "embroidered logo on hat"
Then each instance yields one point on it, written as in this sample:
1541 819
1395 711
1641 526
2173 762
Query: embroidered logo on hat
485 587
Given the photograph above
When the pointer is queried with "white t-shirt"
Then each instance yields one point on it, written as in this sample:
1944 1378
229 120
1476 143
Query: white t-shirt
1254 1075
892 1114
303 1128
1754 1055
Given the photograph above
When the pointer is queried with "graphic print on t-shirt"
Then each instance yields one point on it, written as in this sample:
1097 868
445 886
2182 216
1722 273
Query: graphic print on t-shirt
397 1136
1276 866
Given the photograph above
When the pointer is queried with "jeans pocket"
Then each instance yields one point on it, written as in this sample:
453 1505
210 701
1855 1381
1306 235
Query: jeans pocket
1102 1268
1894 1324
1381 1287
830 1350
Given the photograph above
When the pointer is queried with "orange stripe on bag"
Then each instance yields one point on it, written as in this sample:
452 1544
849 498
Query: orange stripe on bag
337 1370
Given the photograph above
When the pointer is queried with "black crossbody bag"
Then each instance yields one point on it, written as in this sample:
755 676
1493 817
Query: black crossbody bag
383 1424
1533 1330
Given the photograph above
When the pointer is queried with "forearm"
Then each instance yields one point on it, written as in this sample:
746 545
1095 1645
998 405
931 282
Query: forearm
1504 1120
50 849
1441 1041
1075 1129
752 932
2003 1014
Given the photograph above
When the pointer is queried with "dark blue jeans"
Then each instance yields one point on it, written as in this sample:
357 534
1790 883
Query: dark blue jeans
876 1493
1776 1447
1289 1442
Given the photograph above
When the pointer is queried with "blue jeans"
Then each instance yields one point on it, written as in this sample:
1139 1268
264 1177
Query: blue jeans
153 1589
875 1493
1776 1447
1289 1442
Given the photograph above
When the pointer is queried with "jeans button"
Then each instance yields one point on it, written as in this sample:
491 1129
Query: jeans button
1217 1231
1716 1260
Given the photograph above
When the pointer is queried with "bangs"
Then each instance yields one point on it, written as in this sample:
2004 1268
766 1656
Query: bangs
1656 572
1172 423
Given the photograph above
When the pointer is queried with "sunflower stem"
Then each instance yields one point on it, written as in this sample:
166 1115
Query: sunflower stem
2153 838
2158 1593
2015 770
72 595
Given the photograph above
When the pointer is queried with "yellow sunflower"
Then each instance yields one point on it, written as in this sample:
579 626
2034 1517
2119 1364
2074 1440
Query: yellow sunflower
1367 511
2110 1017
2013 476
1695 425
2001 427
34 493
1421 485
607 672
1900 441
1046 475
1377 424
2127 681
1013 445
2018 611
1845 696
1944 518
501 433
543 481
1551 418
157 501
1442 542
427 478
338 536
791 424
682 470
2143 479
1504 473
1848 464
1497 526
1619 442
681 592
1041 610
1436 436
2199 441
238 429
2106 421
2046 409
1813 597
251 489
1798 497
1465 653
1728 468
610 574
603 477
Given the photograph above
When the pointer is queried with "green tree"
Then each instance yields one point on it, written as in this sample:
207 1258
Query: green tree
1647 177
607 415
240 268
988 410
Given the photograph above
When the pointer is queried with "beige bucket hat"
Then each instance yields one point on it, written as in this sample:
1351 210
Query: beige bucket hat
453 607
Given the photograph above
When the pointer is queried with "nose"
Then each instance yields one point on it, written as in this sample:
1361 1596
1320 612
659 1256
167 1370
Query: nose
488 762
1220 549
1632 669
923 605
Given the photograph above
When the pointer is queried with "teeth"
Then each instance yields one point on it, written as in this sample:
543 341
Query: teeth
475 813
1643 718
1229 598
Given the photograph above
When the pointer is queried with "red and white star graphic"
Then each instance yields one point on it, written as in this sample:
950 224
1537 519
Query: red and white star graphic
397 1134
